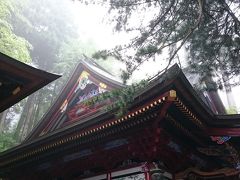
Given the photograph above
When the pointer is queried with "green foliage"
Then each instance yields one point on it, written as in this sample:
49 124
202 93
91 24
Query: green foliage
101 54
121 98
232 110
215 46
47 25
7 141
11 44
6 9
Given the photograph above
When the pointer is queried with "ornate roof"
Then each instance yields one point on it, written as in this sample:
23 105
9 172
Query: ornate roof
167 122
87 80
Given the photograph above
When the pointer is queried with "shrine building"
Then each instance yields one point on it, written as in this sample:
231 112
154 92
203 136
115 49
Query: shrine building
168 132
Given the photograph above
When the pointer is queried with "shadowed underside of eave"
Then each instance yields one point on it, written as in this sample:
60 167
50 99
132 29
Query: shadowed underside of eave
18 80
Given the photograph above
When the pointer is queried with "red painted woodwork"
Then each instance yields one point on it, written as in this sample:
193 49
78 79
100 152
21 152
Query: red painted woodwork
234 132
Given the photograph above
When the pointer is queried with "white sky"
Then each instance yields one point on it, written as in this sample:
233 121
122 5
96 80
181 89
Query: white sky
93 26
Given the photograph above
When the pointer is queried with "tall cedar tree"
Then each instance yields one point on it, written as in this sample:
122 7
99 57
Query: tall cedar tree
209 29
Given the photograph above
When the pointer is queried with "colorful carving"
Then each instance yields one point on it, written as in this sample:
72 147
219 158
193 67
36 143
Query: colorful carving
211 151
235 158
220 139
217 173
237 165
79 108
81 84
92 93
64 106
83 80
174 146
198 160
102 85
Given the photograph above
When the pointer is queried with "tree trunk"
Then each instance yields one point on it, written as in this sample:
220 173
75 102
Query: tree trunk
228 88
35 114
3 116
29 117
213 94
54 94
27 110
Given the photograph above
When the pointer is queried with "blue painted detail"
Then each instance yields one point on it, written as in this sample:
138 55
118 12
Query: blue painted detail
175 146
115 143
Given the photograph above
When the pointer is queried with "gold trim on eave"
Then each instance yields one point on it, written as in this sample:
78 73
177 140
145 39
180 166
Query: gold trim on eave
172 94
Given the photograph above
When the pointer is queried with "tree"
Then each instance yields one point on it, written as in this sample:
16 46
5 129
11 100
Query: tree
209 30
55 47
6 141
17 47
10 43
46 25
49 27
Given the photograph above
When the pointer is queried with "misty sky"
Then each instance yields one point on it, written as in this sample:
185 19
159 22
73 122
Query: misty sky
93 26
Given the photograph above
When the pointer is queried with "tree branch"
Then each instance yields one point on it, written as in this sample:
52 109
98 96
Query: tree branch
236 20
159 19
191 30
129 4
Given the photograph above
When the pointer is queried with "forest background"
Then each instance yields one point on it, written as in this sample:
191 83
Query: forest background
45 36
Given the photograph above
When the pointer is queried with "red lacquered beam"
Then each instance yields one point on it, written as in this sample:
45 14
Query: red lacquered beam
223 132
